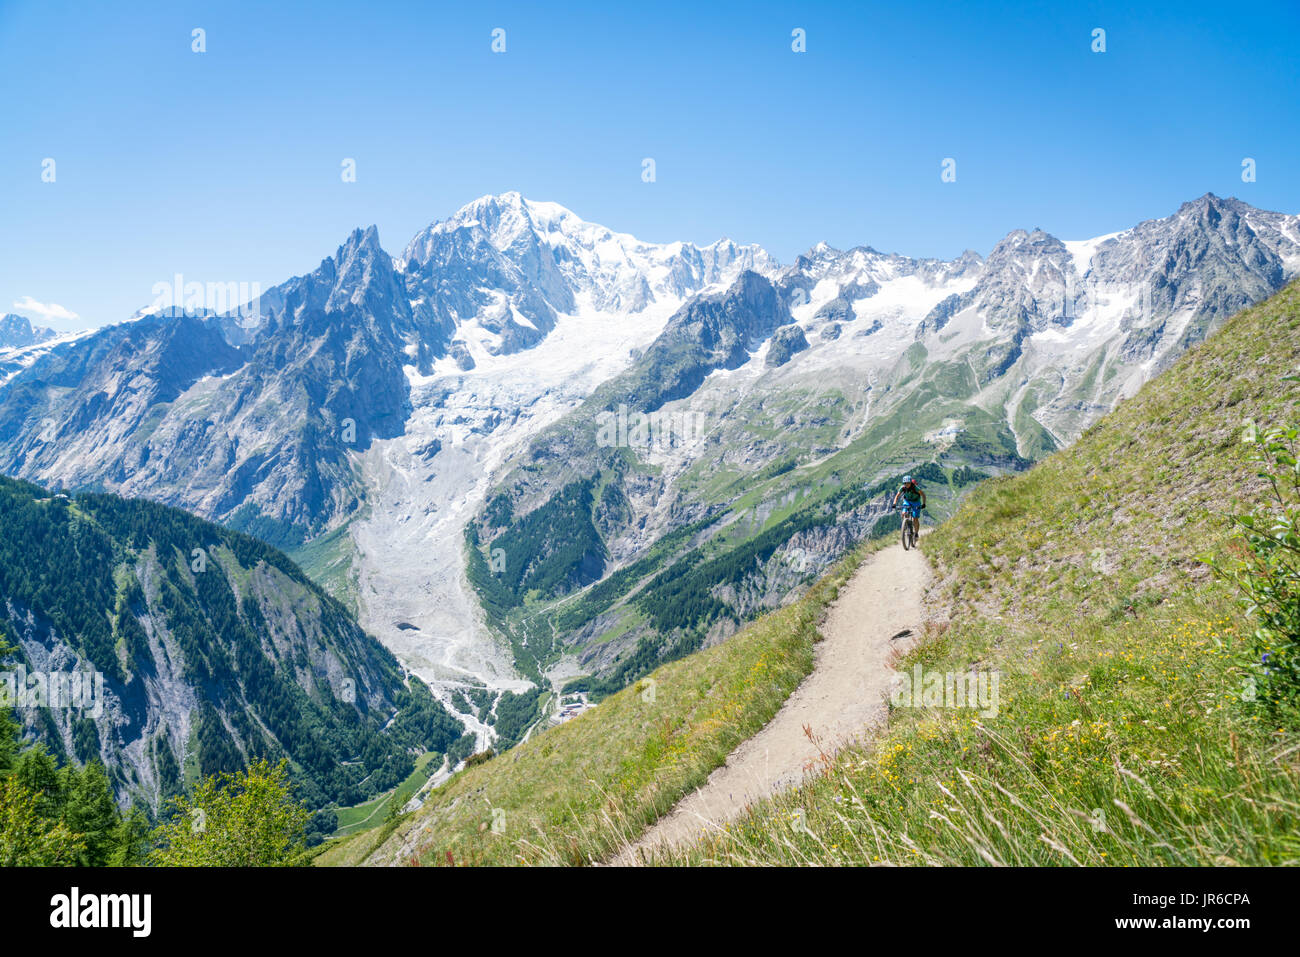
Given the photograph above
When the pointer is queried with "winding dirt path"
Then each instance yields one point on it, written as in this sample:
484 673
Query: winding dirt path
841 699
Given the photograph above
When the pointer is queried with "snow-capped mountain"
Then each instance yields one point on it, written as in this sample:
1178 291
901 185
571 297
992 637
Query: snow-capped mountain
17 331
370 412
1120 306
499 273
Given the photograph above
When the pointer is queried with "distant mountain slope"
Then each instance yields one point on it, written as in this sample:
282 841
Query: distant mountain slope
258 434
214 650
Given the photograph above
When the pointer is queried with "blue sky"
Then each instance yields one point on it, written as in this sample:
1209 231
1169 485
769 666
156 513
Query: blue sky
225 166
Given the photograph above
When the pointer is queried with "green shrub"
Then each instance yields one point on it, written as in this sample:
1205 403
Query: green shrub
1267 572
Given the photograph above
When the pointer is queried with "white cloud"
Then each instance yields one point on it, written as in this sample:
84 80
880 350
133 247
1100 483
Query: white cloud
46 310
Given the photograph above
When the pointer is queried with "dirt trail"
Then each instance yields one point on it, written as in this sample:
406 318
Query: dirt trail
843 697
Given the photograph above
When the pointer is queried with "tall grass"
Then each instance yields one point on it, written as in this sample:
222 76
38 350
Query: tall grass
1116 745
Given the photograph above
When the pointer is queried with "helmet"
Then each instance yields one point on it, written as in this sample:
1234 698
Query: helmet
907 480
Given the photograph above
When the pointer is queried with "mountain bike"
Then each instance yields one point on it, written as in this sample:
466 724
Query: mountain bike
909 532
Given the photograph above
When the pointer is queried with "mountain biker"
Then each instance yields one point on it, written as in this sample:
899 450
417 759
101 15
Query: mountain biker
913 497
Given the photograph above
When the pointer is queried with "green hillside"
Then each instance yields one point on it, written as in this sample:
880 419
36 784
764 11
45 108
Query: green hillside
1132 727
215 651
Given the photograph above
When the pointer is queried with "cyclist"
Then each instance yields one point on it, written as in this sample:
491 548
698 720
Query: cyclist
913 497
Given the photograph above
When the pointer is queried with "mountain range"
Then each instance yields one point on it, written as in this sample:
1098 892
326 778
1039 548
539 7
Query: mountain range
530 450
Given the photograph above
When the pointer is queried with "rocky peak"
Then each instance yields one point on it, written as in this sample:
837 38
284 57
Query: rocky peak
17 331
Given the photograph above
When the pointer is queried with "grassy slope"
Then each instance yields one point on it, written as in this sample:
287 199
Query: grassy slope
329 561
574 793
373 813
1119 738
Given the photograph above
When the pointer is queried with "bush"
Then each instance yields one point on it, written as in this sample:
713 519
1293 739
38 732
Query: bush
249 819
1267 572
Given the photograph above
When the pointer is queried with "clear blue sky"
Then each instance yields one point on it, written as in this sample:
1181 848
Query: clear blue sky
225 166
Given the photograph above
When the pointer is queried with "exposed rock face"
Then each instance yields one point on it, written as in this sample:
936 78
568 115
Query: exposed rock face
460 353
717 331
786 341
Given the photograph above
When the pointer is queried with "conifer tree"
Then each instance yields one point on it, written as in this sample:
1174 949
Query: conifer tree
37 771
91 813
